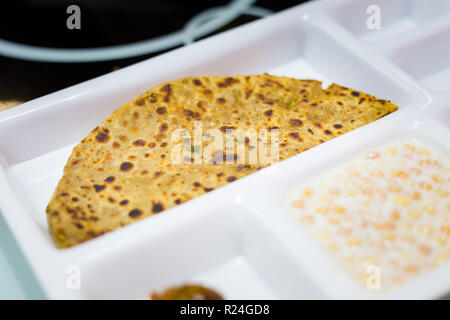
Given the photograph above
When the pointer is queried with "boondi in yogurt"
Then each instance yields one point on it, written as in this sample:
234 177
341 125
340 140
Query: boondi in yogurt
389 208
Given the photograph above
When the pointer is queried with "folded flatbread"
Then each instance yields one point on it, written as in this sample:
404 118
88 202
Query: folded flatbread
7 104
124 170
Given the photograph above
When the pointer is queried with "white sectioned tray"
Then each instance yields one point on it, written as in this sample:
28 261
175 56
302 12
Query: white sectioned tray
239 239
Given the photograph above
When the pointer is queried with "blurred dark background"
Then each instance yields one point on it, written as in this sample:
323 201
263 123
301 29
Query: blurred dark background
103 23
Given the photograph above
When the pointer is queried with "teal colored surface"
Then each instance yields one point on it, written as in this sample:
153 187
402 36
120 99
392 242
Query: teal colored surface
17 280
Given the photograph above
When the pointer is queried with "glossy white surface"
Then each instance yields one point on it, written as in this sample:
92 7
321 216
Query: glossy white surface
240 238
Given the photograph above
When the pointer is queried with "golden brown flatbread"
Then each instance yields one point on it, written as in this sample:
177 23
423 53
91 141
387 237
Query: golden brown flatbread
8 104
124 170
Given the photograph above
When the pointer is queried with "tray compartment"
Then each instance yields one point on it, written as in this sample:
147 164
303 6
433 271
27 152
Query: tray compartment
427 60
397 17
224 248
272 205
37 180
